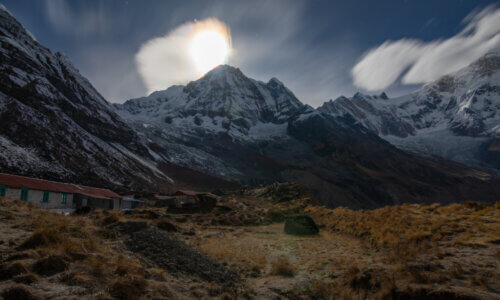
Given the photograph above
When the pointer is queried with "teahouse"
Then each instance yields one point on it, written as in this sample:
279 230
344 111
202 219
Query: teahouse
57 195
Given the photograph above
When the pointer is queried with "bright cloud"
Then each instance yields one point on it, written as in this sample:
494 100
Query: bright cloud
418 62
177 57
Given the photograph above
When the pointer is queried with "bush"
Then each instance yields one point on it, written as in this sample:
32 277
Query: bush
13 269
18 292
282 267
78 278
22 255
112 218
42 238
167 226
27 278
128 288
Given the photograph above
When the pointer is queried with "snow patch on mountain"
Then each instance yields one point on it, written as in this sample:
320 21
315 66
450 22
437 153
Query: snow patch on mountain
53 117
453 117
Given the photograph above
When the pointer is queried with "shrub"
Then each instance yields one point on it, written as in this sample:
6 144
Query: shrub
51 265
112 218
22 255
282 267
128 267
78 278
42 238
167 226
18 292
13 269
28 278
128 288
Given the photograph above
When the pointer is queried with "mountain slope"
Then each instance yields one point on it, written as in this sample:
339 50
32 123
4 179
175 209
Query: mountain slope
456 117
231 126
54 124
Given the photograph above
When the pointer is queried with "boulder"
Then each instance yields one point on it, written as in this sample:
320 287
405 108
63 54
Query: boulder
300 225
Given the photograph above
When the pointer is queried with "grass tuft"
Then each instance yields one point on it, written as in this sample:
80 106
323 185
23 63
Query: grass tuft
282 266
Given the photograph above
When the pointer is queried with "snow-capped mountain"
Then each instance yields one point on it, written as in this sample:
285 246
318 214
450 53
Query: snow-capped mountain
228 125
456 117
224 100
223 103
54 124
225 126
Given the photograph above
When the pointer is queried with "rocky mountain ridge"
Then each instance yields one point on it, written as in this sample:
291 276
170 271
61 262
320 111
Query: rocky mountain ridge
456 117
223 100
55 125
228 125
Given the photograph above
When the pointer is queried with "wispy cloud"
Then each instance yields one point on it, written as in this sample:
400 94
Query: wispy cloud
86 21
416 62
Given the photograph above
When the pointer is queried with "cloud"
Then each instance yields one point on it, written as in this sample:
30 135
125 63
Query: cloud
417 62
87 20
165 61
269 44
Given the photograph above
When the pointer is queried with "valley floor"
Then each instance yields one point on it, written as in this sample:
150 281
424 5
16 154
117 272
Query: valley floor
240 251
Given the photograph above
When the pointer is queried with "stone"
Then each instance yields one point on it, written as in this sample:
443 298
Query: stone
300 225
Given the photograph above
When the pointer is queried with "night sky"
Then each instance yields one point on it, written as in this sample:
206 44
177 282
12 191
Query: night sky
311 46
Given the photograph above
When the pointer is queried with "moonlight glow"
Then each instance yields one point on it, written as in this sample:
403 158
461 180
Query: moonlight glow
184 54
209 49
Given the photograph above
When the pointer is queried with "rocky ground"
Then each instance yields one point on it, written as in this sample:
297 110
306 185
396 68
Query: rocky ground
239 250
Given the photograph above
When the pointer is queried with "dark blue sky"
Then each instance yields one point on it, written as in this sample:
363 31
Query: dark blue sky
309 45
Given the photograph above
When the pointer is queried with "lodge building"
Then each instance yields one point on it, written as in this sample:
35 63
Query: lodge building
58 195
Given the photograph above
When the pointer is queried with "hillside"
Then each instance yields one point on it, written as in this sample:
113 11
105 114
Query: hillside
55 125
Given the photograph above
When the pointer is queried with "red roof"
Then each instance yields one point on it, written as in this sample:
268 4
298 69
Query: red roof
53 186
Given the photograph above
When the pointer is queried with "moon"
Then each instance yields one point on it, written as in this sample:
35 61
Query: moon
208 49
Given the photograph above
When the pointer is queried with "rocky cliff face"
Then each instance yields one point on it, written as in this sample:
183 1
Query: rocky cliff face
456 117
54 124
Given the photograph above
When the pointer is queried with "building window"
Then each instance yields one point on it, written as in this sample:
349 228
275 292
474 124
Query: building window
64 198
45 197
24 194
2 190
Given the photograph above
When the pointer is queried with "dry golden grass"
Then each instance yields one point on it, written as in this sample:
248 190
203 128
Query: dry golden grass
367 254
412 224
72 247
240 255
431 245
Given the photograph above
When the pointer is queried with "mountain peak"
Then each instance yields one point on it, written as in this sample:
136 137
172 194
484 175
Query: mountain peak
223 70
275 81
